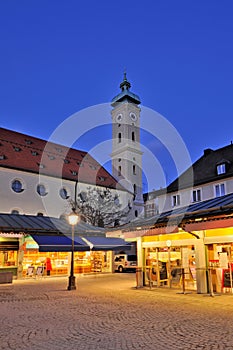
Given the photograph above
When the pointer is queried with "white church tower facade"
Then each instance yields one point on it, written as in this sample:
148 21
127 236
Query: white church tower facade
126 148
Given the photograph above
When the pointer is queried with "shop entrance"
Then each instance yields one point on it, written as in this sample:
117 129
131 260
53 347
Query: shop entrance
220 267
170 267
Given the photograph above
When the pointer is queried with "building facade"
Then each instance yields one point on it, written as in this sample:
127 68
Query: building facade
43 179
187 248
211 176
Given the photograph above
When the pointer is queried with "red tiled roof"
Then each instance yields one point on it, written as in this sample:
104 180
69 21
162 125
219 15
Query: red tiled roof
31 154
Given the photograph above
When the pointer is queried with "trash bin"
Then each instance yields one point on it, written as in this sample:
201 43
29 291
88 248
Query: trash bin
139 281
6 277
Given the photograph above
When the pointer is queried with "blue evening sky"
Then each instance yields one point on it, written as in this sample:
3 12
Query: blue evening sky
61 56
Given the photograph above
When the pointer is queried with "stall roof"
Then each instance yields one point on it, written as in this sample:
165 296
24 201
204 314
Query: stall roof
59 243
107 243
213 207
53 234
44 225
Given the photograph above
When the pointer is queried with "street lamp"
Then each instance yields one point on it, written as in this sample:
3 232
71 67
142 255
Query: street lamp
73 219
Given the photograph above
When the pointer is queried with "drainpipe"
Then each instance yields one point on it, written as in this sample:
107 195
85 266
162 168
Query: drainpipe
75 195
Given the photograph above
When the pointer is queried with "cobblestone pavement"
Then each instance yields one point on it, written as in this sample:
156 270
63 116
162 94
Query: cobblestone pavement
107 312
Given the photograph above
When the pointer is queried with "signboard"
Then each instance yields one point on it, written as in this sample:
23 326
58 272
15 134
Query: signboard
227 279
223 260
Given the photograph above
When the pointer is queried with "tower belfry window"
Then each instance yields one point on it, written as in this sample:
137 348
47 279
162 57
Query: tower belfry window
134 169
119 170
119 137
133 136
134 191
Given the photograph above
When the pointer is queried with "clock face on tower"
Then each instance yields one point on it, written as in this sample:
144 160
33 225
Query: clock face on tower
119 118
133 117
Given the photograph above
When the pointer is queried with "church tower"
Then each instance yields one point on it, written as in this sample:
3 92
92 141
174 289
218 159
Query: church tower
126 149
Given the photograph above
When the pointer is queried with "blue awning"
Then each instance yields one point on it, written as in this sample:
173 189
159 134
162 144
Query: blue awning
107 243
59 243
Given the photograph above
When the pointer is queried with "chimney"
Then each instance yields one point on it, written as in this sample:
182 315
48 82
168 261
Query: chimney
207 151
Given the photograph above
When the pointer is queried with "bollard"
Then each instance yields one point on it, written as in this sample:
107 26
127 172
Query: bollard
138 277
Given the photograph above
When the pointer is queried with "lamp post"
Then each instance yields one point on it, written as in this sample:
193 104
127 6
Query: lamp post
73 219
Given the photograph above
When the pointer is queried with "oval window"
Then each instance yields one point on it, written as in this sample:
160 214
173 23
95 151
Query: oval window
17 186
63 193
41 190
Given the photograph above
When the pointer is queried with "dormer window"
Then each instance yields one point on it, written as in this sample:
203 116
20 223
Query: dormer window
51 157
73 172
80 164
41 166
17 149
93 167
34 153
101 178
221 169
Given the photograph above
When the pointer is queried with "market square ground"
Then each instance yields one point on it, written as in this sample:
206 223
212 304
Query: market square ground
107 312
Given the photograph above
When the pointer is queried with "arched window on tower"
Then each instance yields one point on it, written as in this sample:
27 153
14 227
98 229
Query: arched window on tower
134 169
119 170
119 137
134 191
133 136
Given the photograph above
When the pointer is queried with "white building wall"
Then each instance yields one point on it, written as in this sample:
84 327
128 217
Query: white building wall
31 203
207 192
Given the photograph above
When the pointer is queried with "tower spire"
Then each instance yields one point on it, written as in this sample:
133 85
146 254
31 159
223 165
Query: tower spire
125 84
125 95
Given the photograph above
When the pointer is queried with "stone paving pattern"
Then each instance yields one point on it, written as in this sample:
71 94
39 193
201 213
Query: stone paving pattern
107 312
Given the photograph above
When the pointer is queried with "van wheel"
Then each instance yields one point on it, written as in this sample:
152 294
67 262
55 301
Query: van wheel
120 269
